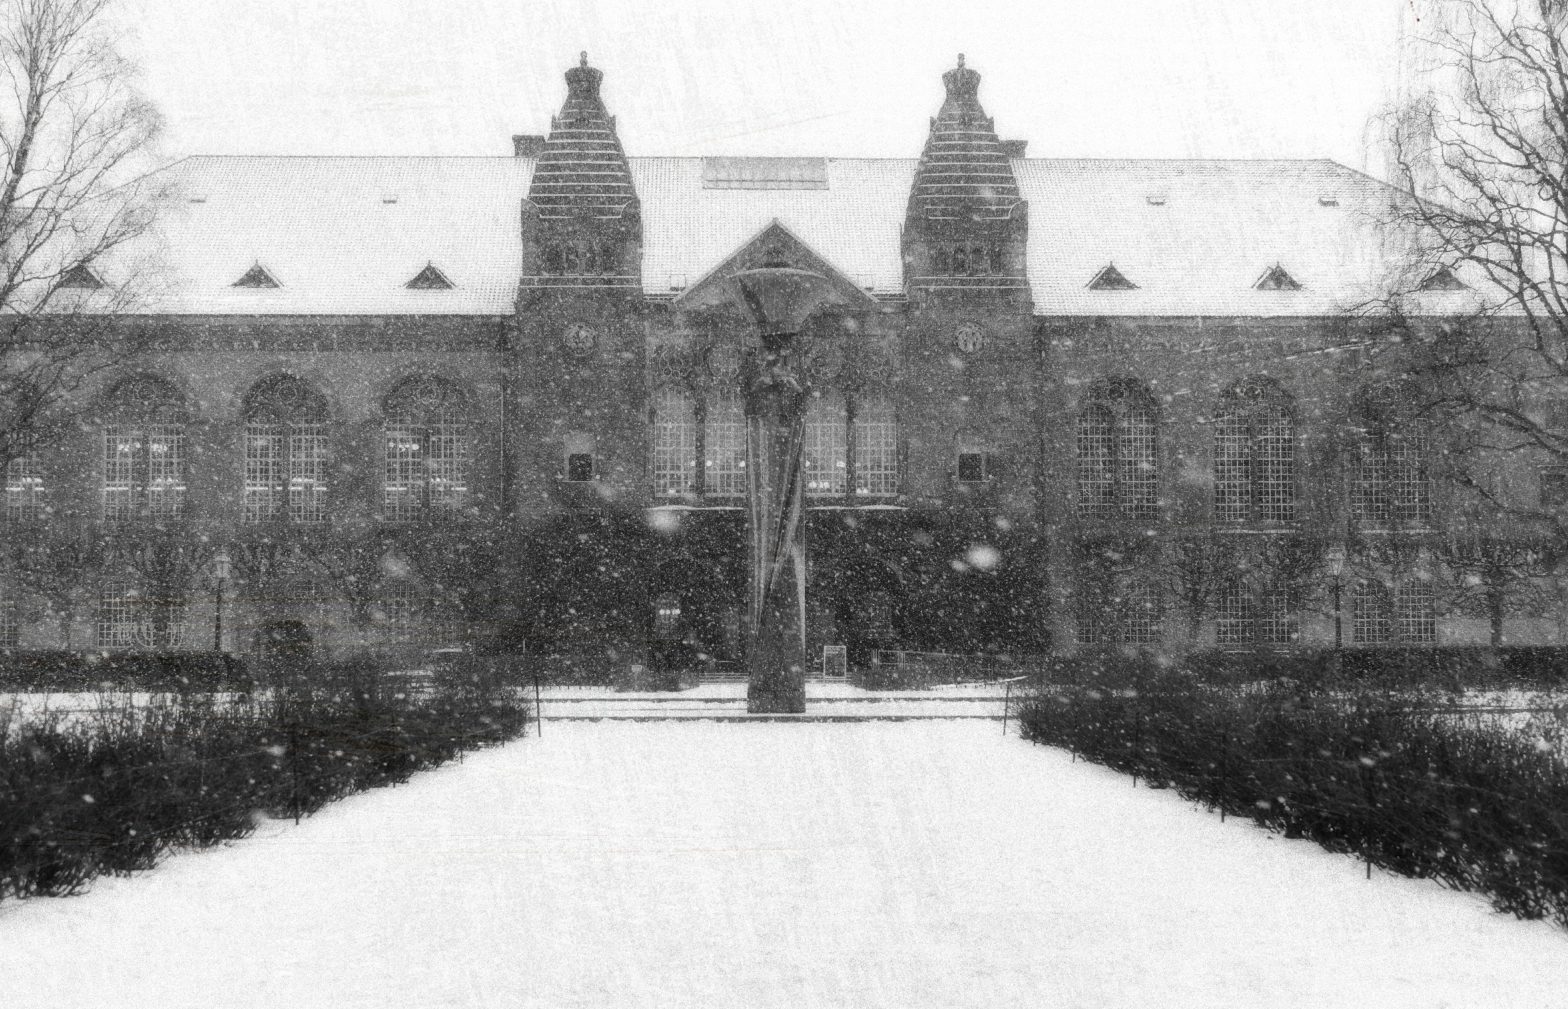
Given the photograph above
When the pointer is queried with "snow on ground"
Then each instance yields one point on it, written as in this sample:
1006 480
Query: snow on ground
761 865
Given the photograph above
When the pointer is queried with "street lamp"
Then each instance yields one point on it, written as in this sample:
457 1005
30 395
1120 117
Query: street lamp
222 567
780 299
1336 567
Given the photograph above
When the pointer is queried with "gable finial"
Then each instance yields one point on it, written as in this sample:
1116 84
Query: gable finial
960 61
582 58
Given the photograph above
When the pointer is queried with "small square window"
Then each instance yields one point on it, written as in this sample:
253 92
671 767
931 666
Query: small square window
973 467
579 467
1554 487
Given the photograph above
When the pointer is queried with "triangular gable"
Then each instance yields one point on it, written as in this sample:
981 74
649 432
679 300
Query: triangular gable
773 244
429 279
81 277
1443 280
1111 279
257 277
1276 279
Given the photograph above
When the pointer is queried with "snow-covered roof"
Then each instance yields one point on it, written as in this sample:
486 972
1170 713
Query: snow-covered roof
344 235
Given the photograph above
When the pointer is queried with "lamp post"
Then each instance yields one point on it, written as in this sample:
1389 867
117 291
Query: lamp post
780 299
222 567
1336 568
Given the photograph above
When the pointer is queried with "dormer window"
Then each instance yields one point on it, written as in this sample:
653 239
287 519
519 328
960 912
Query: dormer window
80 277
1443 280
257 278
1111 279
429 279
1276 279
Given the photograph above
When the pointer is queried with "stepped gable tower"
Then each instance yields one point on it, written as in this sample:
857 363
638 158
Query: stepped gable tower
582 210
576 399
967 226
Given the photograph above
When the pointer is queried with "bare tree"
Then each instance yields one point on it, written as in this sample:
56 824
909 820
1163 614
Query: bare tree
76 138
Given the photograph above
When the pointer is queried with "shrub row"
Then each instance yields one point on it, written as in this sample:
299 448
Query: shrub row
113 791
76 672
1452 668
1410 790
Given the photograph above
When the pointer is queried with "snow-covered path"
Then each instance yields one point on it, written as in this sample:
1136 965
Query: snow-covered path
763 865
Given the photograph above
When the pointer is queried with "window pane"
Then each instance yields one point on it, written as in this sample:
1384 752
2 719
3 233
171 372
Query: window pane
1275 615
724 446
1416 613
1233 611
121 448
826 447
1096 459
1276 465
1411 491
1370 501
1371 617
1140 473
404 485
307 473
876 449
1232 468
1142 614
165 469
674 444
446 465
24 487
263 471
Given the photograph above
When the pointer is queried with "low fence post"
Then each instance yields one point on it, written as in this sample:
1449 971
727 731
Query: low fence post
1007 704
1224 771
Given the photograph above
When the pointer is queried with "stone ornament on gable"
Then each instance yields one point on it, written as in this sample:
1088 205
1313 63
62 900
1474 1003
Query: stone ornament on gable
969 337
669 365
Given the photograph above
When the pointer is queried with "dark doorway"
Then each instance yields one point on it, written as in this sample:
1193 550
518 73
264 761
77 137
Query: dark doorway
283 639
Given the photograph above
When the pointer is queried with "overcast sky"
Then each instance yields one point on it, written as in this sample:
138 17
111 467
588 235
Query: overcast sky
1109 78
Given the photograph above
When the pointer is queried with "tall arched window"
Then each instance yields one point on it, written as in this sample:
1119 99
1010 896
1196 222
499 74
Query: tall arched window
1372 614
285 452
144 451
427 451
1392 484
674 442
1118 452
23 485
1254 455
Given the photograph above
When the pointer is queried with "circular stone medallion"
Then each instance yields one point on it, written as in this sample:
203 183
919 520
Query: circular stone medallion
969 337
580 338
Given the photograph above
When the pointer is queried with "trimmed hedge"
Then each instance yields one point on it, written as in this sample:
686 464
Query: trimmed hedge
1407 788
165 672
114 791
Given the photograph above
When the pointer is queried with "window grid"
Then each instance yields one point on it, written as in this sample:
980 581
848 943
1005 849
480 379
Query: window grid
876 449
724 447
400 611
426 471
144 471
1234 617
674 444
1276 617
117 616
10 629
826 447
1415 613
1392 483
1232 469
24 487
1371 614
1096 462
1275 450
127 618
1141 624
1139 470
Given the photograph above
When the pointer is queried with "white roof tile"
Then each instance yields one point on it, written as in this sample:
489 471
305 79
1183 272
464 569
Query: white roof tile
323 228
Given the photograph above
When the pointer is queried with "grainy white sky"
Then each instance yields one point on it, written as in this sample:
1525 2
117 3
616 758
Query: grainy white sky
1135 78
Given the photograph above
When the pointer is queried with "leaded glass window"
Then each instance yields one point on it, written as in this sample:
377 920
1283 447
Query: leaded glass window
876 448
428 454
285 453
1118 453
724 446
1254 456
674 443
1372 615
24 487
1415 613
826 466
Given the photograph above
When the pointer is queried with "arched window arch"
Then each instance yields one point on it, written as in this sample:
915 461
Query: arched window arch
1392 484
1118 452
1255 455
144 450
285 452
427 451
674 442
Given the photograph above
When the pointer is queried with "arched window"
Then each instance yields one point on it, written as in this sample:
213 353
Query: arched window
674 442
129 617
1252 611
285 452
1392 484
724 446
10 626
23 485
1118 453
427 451
1372 614
826 463
1254 455
144 451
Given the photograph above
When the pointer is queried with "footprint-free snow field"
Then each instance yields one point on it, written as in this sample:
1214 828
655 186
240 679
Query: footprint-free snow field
766 865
